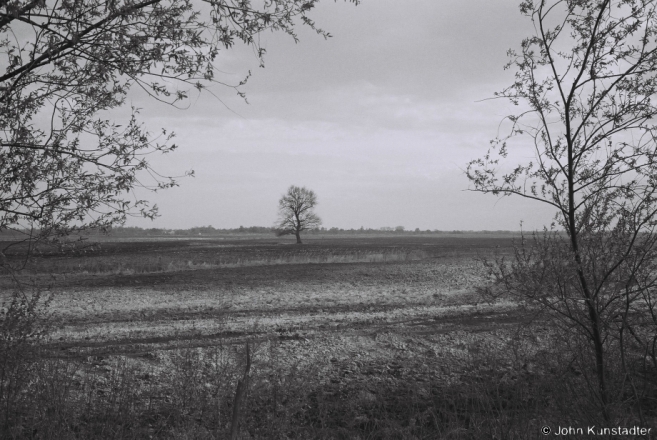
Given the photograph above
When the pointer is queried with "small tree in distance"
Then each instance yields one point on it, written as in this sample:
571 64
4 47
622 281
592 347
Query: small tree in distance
295 212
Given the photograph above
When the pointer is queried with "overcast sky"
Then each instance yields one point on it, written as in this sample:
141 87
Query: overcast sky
380 120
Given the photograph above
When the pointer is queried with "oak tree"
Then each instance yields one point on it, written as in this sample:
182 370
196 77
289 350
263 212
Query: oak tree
295 212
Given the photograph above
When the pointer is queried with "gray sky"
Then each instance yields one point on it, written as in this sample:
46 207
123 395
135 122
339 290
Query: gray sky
379 121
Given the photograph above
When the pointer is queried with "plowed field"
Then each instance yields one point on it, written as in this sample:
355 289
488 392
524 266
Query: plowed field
134 297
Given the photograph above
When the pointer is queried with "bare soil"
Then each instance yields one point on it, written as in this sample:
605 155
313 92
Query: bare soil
131 312
360 322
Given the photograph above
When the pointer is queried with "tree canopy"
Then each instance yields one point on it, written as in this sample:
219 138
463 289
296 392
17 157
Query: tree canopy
585 84
295 212
66 65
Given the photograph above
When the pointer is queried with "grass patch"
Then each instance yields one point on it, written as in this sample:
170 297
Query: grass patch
130 264
493 392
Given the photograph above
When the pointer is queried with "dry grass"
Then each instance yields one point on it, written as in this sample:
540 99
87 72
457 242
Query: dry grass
346 351
158 263
483 389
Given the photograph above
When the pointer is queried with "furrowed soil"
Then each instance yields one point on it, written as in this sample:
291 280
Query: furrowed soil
119 298
365 318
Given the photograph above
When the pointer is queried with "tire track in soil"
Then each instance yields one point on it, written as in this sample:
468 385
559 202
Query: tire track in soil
136 347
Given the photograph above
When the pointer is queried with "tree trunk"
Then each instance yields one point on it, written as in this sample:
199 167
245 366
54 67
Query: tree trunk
594 317
298 236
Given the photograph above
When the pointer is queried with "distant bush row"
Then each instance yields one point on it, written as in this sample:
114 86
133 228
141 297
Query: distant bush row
209 230
131 231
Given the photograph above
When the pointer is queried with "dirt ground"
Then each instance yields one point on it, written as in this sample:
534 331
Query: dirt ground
350 337
425 289
360 321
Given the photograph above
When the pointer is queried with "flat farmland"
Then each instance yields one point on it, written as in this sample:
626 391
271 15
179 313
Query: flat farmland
125 297
372 325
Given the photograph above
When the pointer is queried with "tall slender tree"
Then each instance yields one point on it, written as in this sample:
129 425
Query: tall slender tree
585 85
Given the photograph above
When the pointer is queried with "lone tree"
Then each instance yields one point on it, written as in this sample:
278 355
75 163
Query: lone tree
295 212
585 84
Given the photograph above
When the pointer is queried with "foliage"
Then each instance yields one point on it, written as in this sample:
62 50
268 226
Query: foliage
585 84
188 393
23 323
68 160
295 212
65 164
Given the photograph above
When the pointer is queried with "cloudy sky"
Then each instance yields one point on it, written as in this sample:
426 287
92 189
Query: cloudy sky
380 120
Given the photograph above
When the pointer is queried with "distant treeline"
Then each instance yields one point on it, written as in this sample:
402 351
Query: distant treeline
130 231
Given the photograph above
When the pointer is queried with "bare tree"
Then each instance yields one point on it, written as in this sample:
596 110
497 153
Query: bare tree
295 212
585 82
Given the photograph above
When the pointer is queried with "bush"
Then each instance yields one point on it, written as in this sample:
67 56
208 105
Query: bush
23 325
